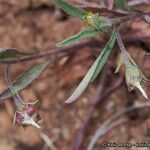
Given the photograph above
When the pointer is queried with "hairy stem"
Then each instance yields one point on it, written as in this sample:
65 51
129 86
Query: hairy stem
17 99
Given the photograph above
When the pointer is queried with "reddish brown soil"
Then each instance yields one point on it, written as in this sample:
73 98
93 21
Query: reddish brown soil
34 25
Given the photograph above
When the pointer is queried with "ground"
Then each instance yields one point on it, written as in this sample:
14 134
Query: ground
36 25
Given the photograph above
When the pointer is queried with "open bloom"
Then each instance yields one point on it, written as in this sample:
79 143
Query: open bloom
27 114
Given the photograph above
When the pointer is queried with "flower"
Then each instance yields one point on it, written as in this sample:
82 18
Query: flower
96 21
89 18
27 114
134 78
133 75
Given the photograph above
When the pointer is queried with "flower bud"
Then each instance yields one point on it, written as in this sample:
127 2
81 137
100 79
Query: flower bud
134 78
89 18
96 21
27 115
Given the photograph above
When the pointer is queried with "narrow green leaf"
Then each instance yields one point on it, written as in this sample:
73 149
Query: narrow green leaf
104 55
81 35
84 83
25 79
70 10
8 52
122 4
94 70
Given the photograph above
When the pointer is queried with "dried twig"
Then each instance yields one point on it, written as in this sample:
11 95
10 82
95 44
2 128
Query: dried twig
103 130
138 2
101 94
48 141
147 55
110 123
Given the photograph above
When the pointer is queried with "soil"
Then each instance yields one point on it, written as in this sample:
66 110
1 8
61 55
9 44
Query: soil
36 25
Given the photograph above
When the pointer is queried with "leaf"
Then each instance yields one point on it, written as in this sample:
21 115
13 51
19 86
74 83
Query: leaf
8 52
70 10
122 4
81 35
83 84
92 71
25 79
104 55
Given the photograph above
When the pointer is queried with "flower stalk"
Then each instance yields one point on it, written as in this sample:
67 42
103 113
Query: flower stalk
133 75
26 113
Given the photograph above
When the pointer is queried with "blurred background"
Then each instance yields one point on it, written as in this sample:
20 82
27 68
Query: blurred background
36 25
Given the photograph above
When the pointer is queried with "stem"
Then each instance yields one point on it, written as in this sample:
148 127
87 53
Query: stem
60 52
137 2
147 55
65 51
129 17
109 122
122 48
101 95
17 99
103 130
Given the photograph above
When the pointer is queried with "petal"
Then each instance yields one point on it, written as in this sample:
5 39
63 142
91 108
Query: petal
137 84
35 103
32 122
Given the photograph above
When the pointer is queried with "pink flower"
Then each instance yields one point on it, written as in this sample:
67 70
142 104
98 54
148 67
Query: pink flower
27 114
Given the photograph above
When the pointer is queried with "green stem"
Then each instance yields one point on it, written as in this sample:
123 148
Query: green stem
17 99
